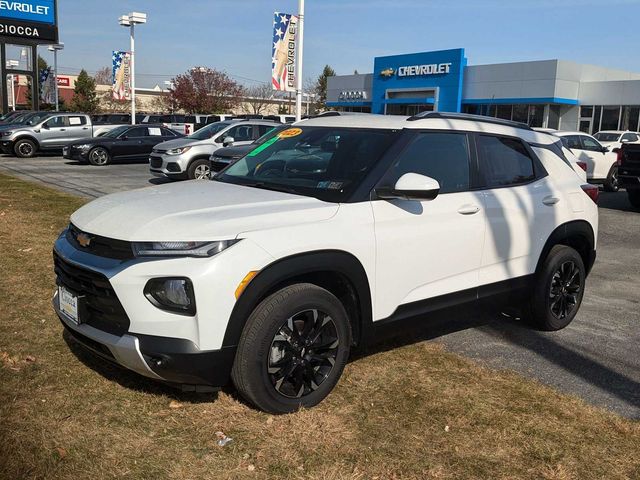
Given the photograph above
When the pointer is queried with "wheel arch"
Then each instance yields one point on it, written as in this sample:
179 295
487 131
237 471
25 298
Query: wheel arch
577 234
337 271
26 136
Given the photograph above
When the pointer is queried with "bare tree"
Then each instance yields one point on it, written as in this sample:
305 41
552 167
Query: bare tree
257 98
104 76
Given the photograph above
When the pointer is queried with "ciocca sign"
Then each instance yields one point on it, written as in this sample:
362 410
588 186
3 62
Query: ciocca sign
34 20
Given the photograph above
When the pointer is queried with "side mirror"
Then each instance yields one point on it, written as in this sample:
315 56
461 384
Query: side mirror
45 126
123 137
411 186
227 141
624 140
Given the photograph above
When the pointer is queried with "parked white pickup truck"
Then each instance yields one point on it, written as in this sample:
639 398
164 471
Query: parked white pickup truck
52 132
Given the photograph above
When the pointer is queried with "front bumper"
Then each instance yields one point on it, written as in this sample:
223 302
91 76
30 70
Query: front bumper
168 166
73 153
6 146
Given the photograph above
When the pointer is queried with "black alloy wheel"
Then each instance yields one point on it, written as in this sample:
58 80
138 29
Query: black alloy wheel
564 293
303 353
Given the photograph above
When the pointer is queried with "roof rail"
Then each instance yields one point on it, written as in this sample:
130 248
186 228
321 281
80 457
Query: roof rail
468 116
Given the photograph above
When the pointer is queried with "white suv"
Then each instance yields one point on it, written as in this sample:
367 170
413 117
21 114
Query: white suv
270 273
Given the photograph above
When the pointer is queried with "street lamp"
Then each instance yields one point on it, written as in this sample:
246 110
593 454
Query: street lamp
13 64
170 86
54 48
131 20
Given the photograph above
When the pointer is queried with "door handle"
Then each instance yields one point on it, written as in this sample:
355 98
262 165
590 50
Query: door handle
63 129
468 209
85 128
550 200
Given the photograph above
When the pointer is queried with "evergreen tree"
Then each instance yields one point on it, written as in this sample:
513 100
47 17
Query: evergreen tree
321 86
85 98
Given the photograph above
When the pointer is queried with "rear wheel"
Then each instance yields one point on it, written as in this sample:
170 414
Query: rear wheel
99 157
199 170
558 290
25 148
611 183
634 197
293 349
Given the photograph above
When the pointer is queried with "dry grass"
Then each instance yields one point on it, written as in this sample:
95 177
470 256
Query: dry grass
412 412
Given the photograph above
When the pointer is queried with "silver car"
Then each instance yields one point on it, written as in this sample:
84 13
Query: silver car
188 158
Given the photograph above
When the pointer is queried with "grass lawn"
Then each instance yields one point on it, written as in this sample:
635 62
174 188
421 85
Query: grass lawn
415 411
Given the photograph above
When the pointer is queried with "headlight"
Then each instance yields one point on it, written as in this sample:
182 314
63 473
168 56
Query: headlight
84 146
7 134
178 151
172 294
180 249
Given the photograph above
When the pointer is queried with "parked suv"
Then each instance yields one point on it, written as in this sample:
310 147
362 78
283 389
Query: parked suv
600 160
629 171
188 158
614 139
272 272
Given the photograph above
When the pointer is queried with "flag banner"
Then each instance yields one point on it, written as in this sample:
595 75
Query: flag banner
283 52
47 86
121 88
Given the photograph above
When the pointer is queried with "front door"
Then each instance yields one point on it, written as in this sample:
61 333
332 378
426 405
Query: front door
426 249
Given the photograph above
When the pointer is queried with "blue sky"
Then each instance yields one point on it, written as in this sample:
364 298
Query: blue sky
234 35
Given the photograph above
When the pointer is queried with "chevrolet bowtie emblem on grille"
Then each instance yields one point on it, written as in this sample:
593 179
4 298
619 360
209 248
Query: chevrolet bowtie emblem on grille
387 72
83 239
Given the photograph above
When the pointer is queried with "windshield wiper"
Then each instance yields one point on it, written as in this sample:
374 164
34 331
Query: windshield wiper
272 186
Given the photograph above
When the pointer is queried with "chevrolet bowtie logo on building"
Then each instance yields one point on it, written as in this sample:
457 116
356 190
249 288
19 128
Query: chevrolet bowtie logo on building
387 72
83 239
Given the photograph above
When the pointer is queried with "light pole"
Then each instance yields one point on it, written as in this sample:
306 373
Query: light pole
54 48
170 86
299 47
131 20
13 64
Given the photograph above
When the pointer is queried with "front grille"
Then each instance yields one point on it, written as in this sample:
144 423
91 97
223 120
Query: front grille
101 246
98 304
155 162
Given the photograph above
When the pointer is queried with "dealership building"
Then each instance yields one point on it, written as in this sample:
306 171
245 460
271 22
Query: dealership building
555 94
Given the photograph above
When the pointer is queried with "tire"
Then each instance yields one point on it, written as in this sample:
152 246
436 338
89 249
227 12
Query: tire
199 170
558 289
611 183
99 157
634 198
286 359
25 148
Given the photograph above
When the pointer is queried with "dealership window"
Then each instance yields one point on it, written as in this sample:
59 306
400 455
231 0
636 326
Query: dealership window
504 111
610 118
586 111
520 113
533 115
554 117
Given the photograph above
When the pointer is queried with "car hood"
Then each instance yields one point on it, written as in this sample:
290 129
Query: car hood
197 210
181 142
234 152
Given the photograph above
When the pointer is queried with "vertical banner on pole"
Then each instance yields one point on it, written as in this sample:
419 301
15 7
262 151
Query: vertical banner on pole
283 52
47 86
121 88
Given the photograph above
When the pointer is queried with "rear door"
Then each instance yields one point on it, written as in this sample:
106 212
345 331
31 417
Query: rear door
78 128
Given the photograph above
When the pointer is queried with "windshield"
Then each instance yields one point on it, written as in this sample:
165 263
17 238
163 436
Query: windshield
323 162
607 136
35 118
270 133
209 131
115 132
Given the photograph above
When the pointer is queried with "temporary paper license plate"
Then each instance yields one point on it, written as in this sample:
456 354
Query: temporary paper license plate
68 304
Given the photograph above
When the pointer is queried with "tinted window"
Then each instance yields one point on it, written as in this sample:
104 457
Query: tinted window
630 137
504 161
572 141
168 133
56 122
589 143
241 133
442 156
138 132
262 129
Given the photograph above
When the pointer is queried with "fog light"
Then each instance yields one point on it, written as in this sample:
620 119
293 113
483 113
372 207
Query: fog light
172 294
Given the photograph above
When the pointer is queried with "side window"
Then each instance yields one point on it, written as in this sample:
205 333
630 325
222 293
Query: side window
262 129
504 161
442 156
630 137
138 132
167 133
241 133
572 141
56 122
589 143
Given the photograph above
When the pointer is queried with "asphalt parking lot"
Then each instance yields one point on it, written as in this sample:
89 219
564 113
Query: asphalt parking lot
597 357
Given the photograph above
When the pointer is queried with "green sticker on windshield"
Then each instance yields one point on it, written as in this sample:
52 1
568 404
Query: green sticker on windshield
265 145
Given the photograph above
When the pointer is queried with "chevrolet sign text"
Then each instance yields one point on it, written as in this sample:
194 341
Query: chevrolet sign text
415 70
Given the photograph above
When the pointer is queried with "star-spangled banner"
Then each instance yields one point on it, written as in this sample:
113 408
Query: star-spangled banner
121 88
283 52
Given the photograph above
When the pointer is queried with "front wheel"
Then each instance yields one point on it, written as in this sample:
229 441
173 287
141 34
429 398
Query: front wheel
199 170
611 183
25 148
634 198
99 157
559 288
293 349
